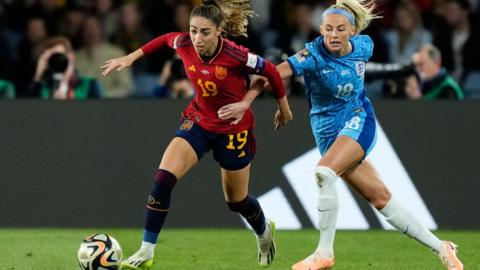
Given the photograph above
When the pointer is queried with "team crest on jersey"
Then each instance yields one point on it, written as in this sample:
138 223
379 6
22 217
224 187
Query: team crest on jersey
302 55
360 68
186 125
221 72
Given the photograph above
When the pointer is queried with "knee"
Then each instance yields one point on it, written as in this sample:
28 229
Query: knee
381 197
327 188
324 175
164 177
241 205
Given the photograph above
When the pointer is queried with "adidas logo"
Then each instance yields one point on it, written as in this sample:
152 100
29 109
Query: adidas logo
242 154
350 215
192 68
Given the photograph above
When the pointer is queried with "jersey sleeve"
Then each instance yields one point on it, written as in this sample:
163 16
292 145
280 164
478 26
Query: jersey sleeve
302 61
160 42
364 46
255 64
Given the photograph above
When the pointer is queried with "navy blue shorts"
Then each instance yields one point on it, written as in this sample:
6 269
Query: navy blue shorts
231 151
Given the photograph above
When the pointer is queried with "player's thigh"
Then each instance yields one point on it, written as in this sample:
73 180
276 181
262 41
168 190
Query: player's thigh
365 179
235 183
234 152
179 157
342 155
354 141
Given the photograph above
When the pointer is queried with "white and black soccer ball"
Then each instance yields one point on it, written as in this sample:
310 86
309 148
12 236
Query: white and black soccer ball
99 252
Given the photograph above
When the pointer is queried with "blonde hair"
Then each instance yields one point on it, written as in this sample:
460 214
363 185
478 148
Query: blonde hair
362 11
231 15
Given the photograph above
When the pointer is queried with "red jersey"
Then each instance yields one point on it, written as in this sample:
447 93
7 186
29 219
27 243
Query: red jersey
220 81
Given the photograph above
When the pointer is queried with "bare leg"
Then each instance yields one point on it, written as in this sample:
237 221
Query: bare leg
343 154
366 181
235 189
178 158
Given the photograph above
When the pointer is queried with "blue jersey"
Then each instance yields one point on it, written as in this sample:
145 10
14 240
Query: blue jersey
333 82
335 90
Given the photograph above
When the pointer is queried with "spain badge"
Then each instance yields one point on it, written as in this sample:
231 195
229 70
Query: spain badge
221 72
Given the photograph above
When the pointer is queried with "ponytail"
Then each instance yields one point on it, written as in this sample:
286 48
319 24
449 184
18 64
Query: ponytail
231 15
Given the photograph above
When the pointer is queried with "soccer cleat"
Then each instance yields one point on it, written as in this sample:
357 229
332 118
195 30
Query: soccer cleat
266 245
314 262
138 261
448 255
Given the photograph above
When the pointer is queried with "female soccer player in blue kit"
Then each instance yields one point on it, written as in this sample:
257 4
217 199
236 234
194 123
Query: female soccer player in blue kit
343 124
218 118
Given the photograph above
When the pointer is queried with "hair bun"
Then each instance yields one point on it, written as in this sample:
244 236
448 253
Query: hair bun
211 2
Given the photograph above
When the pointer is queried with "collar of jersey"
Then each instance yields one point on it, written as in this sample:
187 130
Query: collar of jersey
220 47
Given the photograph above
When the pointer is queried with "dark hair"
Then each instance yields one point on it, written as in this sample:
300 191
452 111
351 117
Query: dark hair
231 15
464 4
54 41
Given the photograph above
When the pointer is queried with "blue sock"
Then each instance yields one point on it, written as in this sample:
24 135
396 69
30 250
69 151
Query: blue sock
158 205
251 210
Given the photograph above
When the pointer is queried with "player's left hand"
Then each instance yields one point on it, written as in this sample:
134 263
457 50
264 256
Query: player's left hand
282 118
233 111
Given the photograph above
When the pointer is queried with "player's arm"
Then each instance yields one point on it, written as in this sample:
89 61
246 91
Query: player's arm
237 110
260 82
283 114
121 63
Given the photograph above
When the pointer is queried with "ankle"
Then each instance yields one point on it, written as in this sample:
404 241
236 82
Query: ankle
147 248
324 254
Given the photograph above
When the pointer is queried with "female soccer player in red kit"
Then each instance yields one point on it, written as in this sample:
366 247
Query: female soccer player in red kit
218 118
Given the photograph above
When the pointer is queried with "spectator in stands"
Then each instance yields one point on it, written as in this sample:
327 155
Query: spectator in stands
56 77
182 16
26 53
92 55
460 39
301 29
408 33
106 13
50 10
5 51
434 81
173 81
72 24
130 35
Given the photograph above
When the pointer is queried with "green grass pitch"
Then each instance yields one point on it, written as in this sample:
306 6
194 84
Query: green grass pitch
32 249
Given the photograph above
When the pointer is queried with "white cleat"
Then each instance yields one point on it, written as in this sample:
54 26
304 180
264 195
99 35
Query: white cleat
138 261
266 245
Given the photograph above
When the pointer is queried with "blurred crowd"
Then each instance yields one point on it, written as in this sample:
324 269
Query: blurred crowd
424 49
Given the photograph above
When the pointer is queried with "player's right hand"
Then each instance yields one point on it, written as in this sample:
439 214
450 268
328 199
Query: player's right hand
233 111
117 64
282 118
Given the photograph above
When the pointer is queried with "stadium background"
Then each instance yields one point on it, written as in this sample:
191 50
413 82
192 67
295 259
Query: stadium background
89 164
61 161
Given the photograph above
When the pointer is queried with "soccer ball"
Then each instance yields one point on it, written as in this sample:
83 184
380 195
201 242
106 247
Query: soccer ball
99 252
